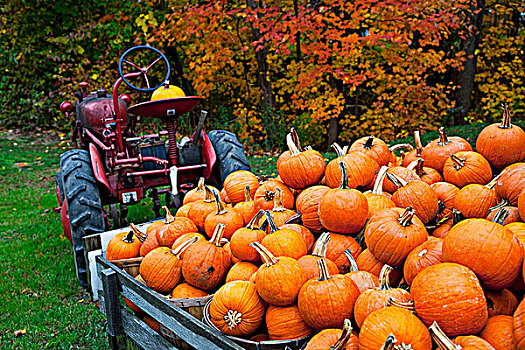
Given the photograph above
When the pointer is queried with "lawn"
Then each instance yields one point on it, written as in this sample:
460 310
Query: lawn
43 303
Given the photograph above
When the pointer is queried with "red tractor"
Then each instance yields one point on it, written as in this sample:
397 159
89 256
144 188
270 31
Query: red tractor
113 167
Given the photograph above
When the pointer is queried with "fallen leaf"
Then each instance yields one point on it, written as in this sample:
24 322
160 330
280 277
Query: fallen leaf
20 332
81 301
21 165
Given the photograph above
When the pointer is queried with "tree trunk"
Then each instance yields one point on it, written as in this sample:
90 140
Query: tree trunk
465 78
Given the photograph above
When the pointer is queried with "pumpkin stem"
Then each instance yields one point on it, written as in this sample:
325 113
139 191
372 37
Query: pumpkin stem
389 342
294 219
400 146
384 277
295 138
169 218
200 185
443 139
419 145
255 220
217 234
441 339
128 238
138 233
506 122
291 145
338 150
278 201
458 162
408 305
456 216
247 194
422 253
417 166
268 258
398 181
219 203
378 185
208 198
369 142
503 204
180 249
323 270
344 176
345 149
269 219
405 219
321 245
351 260
493 182
501 216
232 319
269 195
345 336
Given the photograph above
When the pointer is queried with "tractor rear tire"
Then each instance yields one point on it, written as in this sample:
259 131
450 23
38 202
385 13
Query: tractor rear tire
229 151
59 188
86 214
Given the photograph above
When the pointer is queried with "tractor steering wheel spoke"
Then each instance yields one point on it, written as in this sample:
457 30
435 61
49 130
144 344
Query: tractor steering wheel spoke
146 79
145 70
153 63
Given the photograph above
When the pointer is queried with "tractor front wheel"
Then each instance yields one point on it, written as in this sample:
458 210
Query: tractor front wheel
84 205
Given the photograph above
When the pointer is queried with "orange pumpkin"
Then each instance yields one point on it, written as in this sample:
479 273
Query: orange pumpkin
368 262
518 325
326 302
243 237
283 242
241 271
393 233
503 214
451 295
498 332
125 245
309 262
426 174
436 152
511 183
236 309
484 247
278 280
361 169
186 291
364 280
377 200
179 241
377 298
423 256
206 263
305 233
342 209
334 339
279 213
308 204
198 193
502 144
173 228
521 205
138 311
266 192
337 245
285 322
475 201
200 209
301 169
184 210
446 193
465 168
248 208
401 172
501 302
231 219
236 182
469 342
416 152
374 148
152 323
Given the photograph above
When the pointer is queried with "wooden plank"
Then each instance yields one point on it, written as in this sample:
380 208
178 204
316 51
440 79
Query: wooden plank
191 330
142 335
111 302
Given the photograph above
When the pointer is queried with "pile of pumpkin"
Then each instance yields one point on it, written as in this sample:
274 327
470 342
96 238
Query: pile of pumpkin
426 245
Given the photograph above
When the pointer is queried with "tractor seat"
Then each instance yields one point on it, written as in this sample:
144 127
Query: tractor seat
166 109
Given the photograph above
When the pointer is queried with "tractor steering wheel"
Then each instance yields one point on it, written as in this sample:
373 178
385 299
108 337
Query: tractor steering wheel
142 71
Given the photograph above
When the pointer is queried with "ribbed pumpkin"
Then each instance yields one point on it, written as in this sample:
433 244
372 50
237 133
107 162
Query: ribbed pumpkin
518 325
206 263
436 152
236 309
469 342
443 228
309 262
266 192
426 174
416 194
503 214
243 237
230 218
377 298
511 183
425 255
301 169
501 302
337 245
502 144
521 205
406 331
451 295
393 233
248 208
198 193
236 182
416 152
305 233
518 228
152 323
228 250
361 169
125 245
376 199
498 332
325 302
184 210
173 228
278 280
286 154
485 247
364 280
334 339
200 209
279 213
465 168
179 241
374 148
475 201
138 311
186 291
342 209
401 172
285 322
241 271
446 193
161 268
150 242
308 204
283 242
